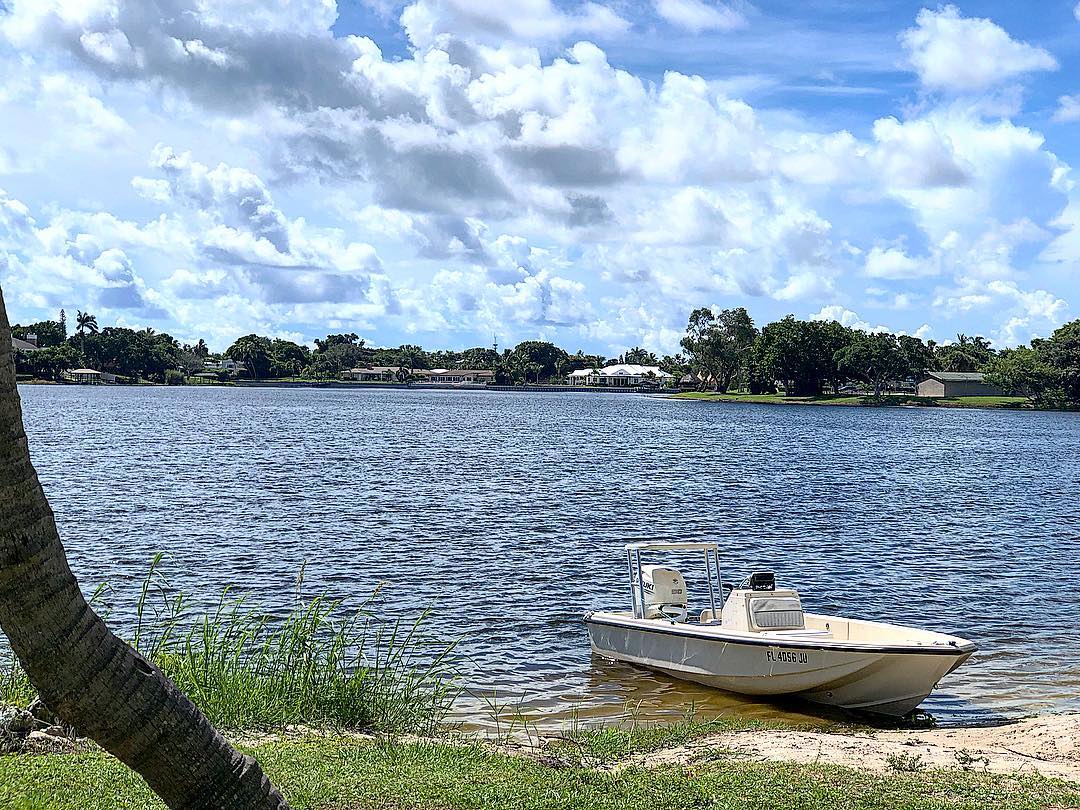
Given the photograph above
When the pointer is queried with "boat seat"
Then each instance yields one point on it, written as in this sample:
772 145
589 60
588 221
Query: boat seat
779 611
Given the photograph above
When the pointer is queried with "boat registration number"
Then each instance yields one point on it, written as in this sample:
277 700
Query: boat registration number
786 657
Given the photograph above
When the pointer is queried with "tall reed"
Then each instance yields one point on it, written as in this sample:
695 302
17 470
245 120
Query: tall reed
321 665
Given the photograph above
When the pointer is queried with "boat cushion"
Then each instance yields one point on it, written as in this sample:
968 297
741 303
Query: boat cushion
776 613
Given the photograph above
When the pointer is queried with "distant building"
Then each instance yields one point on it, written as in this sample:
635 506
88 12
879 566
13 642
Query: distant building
372 374
691 381
224 364
621 375
956 384
83 376
455 376
25 345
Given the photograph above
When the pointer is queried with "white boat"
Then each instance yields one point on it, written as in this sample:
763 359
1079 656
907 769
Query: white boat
762 642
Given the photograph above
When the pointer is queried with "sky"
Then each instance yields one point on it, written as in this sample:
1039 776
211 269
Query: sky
452 172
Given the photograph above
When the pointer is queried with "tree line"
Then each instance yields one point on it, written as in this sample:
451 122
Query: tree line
722 351
726 351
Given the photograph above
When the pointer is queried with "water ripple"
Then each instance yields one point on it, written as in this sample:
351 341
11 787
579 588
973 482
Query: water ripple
505 513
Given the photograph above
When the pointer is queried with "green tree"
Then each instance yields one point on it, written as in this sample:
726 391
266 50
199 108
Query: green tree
49 333
1062 353
49 363
477 358
918 357
676 365
83 672
638 356
540 353
85 322
288 359
191 363
833 338
254 352
1025 371
720 345
873 359
412 357
966 354
796 353
338 353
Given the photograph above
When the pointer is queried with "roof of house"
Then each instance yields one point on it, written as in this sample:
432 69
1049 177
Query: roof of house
23 346
85 371
456 372
626 370
956 376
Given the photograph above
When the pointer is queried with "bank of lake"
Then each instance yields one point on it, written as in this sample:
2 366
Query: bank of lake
861 400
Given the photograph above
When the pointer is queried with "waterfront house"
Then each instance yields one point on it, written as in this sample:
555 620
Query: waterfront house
691 381
24 346
83 376
373 374
956 384
455 376
622 375
224 364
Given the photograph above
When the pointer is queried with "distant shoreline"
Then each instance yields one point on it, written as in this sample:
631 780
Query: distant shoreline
369 386
986 403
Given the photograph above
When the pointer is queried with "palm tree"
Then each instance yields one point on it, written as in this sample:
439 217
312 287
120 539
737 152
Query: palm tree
83 672
85 323
201 349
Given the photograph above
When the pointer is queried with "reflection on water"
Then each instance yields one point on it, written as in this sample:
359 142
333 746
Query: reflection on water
506 514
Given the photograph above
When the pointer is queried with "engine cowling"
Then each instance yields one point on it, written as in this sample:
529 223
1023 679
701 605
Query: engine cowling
665 593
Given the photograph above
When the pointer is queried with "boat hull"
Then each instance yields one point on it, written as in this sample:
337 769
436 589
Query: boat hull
890 680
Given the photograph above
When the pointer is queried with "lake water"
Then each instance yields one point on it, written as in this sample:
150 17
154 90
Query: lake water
506 514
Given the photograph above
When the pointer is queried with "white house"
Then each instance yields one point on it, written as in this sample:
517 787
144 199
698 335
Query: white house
455 376
621 375
224 364
372 374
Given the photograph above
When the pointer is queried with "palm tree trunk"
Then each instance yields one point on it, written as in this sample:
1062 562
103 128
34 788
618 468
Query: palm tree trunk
84 673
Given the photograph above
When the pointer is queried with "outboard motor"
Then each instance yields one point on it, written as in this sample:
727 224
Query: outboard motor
665 593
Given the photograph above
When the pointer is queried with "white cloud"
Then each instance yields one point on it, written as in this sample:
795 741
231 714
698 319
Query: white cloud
697 15
895 264
1068 109
1065 248
487 179
917 154
844 316
110 47
951 52
529 21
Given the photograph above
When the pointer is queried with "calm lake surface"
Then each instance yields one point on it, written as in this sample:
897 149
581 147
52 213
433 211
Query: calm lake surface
505 513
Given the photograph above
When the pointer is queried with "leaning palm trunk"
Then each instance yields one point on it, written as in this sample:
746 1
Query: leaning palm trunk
84 673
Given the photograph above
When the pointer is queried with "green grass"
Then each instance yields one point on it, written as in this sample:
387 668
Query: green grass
328 774
857 399
320 666
609 743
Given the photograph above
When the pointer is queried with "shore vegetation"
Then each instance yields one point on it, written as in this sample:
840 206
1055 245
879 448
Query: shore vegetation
722 351
321 665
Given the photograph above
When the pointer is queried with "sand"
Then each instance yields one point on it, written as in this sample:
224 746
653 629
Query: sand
1047 745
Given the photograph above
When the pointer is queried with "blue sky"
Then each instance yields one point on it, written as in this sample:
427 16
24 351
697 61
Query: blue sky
442 171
